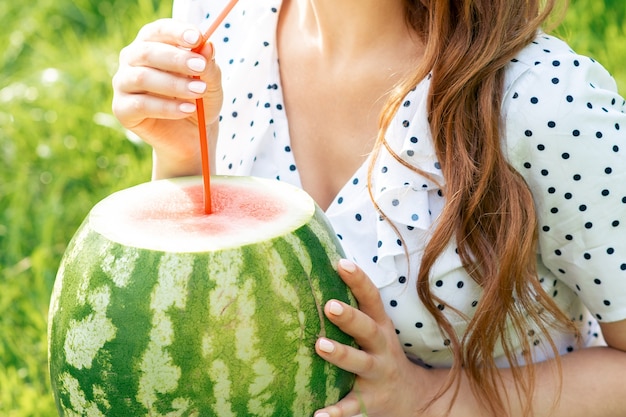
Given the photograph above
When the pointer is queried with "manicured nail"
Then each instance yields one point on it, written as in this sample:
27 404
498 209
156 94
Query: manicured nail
191 36
347 265
187 107
326 345
196 64
197 87
322 415
335 308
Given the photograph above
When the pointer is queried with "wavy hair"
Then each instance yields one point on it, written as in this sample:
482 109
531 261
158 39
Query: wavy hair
489 208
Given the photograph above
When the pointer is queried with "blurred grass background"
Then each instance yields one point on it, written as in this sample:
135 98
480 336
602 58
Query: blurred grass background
61 150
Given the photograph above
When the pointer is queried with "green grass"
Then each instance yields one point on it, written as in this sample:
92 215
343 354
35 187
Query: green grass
61 151
598 28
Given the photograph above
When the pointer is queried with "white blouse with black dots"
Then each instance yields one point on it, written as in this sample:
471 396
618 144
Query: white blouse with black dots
565 132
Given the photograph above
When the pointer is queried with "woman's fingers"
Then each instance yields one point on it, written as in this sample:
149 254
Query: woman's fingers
141 80
158 81
369 323
384 375
135 108
346 357
363 289
366 331
163 56
171 32
349 406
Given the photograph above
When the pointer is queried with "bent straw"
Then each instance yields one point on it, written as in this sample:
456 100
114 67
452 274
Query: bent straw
204 146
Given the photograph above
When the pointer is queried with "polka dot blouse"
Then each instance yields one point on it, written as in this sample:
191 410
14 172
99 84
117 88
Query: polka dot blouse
565 132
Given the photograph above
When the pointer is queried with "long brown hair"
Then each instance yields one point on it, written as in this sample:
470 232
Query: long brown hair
489 208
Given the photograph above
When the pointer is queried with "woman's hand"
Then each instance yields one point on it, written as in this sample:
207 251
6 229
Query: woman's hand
155 88
387 383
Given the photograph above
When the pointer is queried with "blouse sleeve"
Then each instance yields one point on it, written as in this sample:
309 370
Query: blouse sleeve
566 135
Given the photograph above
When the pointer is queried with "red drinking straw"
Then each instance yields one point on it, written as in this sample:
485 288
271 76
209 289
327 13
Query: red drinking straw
204 146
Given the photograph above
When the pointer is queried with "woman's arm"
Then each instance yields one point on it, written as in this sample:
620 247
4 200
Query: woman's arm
388 384
615 334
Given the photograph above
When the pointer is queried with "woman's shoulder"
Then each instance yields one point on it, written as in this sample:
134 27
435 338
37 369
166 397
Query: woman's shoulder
553 93
565 133
552 61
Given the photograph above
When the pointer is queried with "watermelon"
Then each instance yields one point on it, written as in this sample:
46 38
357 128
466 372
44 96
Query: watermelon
159 309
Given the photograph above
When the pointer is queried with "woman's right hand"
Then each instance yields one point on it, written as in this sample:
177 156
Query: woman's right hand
154 92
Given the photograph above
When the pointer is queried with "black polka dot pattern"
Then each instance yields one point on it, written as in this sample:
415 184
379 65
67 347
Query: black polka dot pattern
565 133
571 153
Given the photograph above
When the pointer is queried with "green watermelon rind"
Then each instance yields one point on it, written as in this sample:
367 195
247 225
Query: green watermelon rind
268 296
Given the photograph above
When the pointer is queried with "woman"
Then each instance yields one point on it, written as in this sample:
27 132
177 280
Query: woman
472 166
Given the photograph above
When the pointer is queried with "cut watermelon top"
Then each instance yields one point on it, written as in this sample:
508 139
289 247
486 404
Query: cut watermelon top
168 215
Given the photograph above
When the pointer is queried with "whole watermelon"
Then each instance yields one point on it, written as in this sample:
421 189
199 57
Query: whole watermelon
159 309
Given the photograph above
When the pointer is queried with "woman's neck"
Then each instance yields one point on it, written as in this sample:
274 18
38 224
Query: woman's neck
342 29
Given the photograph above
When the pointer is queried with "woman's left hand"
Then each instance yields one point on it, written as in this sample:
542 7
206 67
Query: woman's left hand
387 382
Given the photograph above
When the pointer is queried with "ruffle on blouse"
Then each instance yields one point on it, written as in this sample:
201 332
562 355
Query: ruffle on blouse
408 199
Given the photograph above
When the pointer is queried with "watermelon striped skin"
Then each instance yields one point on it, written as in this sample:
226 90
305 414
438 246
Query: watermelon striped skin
142 332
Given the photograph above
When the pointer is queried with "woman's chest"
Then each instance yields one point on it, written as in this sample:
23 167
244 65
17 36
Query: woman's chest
332 126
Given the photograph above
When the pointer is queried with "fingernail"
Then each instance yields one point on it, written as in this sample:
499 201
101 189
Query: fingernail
191 36
347 265
196 64
197 87
187 107
326 345
335 308
322 415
